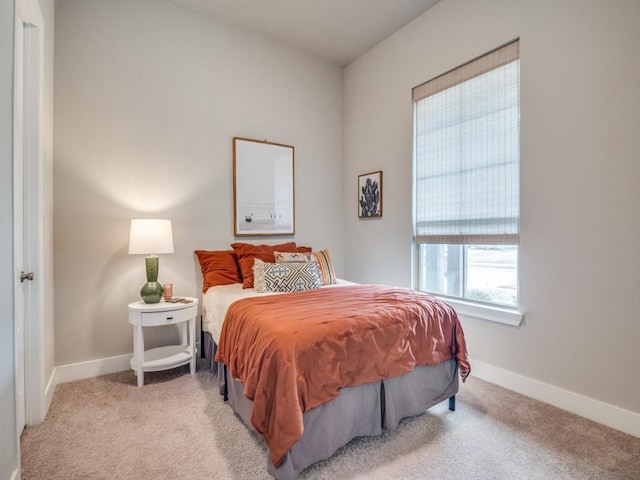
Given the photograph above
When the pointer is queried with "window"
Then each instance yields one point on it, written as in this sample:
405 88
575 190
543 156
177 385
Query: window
466 180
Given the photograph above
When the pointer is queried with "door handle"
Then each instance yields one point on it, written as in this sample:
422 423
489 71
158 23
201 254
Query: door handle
26 276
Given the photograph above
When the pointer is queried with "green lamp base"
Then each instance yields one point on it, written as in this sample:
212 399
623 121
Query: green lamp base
151 292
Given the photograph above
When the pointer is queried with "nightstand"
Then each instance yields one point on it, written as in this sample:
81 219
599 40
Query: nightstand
163 358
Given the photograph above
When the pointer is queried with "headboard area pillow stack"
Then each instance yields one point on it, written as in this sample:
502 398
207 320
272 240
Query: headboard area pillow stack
225 267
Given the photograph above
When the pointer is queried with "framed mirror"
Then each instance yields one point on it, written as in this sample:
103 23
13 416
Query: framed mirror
263 188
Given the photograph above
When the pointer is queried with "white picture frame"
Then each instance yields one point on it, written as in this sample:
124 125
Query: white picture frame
263 188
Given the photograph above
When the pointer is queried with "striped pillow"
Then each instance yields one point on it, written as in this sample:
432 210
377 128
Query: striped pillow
322 258
285 277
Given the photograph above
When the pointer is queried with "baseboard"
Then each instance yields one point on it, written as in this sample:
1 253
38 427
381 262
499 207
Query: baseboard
48 392
91 368
615 417
15 475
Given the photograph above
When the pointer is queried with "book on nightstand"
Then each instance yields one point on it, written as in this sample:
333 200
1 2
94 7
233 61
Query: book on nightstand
174 299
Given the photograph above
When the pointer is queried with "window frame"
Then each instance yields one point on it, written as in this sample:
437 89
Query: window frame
472 308
501 313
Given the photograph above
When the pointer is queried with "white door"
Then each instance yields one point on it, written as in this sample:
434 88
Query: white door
19 223
27 211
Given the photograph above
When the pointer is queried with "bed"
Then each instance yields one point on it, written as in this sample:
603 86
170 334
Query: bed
287 363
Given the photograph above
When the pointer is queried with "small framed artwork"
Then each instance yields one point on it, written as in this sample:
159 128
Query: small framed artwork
370 194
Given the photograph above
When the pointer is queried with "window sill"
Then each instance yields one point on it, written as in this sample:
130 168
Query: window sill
486 312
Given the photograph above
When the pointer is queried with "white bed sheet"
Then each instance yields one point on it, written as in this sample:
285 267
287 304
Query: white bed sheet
217 300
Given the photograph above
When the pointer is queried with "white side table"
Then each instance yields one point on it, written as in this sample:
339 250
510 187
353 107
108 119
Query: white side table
163 358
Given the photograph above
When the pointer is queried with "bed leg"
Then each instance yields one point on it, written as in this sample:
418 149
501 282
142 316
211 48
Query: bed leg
225 395
202 355
383 403
452 403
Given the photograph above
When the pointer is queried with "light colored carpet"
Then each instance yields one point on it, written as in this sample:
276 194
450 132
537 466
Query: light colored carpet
178 427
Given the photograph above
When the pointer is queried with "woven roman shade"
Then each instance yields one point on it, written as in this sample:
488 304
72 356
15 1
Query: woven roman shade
467 152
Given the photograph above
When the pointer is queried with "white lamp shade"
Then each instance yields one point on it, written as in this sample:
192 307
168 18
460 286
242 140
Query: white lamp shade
150 237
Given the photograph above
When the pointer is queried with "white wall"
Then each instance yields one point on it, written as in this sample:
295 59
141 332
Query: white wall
148 96
580 124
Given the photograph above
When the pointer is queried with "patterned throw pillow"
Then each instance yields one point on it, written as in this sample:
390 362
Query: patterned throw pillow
285 277
322 258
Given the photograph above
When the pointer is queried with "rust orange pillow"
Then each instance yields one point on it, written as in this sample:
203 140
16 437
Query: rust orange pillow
247 252
218 267
305 250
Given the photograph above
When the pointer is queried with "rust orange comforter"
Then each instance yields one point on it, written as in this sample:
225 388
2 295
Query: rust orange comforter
294 352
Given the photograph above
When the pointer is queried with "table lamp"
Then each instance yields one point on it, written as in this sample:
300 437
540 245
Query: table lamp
151 237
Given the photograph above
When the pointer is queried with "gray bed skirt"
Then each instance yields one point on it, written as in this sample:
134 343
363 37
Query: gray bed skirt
365 410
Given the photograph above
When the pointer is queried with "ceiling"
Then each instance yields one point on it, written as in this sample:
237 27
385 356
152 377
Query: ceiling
338 30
